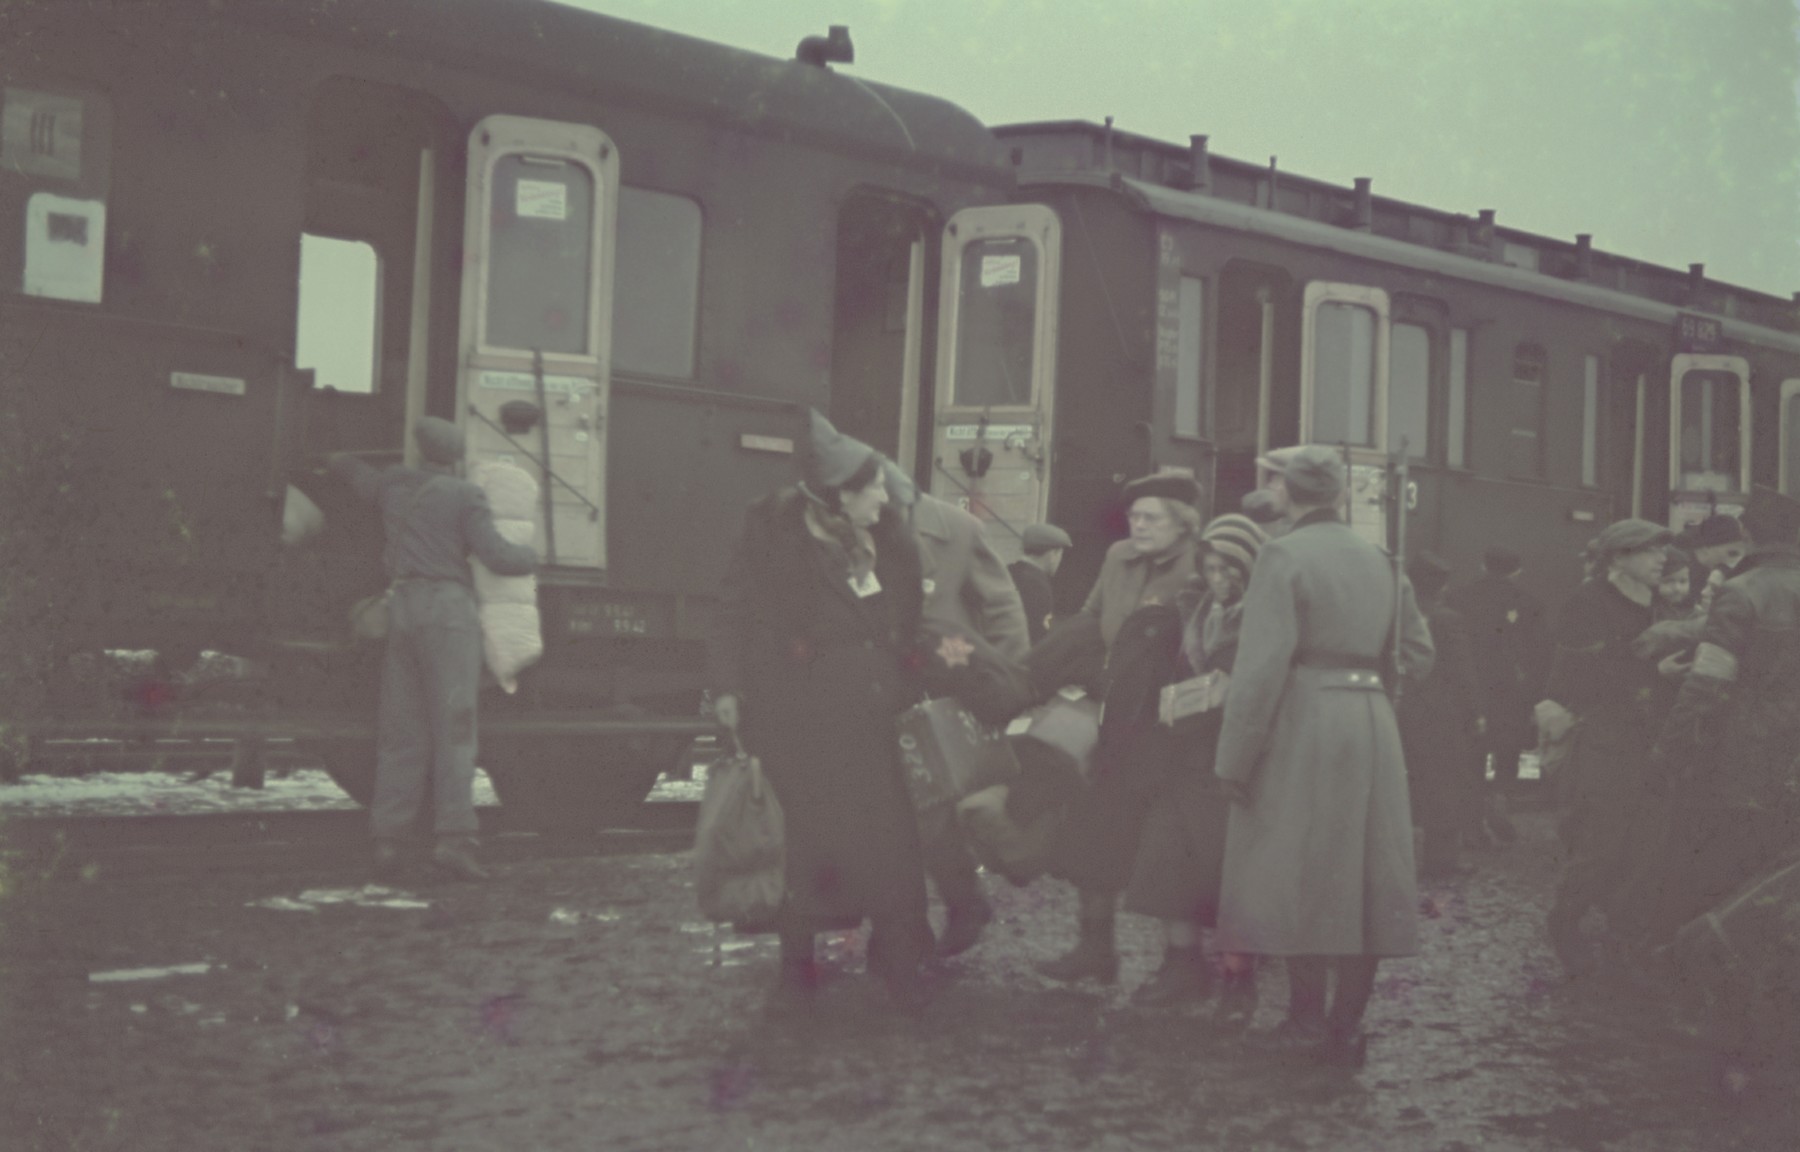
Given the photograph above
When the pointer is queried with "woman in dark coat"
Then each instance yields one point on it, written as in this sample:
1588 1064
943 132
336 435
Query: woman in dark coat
1134 602
1440 727
819 609
1182 854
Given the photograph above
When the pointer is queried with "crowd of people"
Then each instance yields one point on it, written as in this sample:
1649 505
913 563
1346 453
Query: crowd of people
1253 785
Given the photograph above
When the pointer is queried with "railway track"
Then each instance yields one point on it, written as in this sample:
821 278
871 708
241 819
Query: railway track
121 848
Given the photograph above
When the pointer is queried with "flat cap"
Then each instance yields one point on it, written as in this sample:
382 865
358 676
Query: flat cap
1044 538
1260 506
1314 473
1168 485
1626 536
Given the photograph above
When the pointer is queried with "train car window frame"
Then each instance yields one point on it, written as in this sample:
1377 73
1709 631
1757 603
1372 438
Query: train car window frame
1527 352
1787 479
1679 368
1034 224
676 301
311 308
1319 294
1189 422
1456 405
1421 450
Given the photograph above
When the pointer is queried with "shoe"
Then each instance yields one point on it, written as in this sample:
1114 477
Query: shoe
1236 1005
456 855
388 860
1185 977
1093 957
1345 1048
1294 1036
963 927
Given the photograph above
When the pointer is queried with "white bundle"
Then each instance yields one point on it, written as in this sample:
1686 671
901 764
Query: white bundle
511 632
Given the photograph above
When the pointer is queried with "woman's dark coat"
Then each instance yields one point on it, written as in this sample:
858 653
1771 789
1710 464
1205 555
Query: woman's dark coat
821 676
1437 716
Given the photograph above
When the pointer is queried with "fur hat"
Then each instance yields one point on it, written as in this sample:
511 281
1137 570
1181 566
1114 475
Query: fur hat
828 457
1168 485
1235 538
440 442
1719 528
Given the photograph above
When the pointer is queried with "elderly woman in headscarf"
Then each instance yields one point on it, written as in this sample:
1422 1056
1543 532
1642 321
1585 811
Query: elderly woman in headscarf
1134 603
1597 681
1176 877
818 613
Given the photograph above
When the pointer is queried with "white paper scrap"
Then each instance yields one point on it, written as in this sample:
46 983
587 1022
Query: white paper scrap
122 975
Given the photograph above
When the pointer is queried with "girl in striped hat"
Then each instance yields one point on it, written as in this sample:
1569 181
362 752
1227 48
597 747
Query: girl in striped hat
1182 854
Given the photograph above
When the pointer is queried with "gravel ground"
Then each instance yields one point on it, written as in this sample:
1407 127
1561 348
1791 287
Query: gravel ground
580 1004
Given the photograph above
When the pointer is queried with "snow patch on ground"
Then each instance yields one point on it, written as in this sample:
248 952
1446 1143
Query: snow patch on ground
368 896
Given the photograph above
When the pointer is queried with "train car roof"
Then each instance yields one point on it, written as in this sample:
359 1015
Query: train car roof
1160 178
634 65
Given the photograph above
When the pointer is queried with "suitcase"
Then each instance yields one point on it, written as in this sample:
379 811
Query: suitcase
947 754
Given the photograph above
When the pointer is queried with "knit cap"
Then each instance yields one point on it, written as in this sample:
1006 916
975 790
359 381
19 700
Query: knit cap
1236 538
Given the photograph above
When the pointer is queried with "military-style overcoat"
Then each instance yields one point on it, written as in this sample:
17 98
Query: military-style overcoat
1320 860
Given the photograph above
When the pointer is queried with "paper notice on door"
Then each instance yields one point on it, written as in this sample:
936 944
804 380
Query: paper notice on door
997 270
542 200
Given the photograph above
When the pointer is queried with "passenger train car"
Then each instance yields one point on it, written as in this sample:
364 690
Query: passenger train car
247 234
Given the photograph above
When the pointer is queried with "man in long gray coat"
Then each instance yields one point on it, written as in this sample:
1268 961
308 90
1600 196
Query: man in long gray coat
966 588
1318 855
434 521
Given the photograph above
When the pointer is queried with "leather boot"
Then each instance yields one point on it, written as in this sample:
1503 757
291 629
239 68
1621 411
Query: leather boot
963 925
1185 977
1236 1005
1095 954
456 855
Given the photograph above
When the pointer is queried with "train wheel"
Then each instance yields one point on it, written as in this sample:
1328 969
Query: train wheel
574 784
351 764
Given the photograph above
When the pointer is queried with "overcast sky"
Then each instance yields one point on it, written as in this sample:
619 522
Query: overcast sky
1541 109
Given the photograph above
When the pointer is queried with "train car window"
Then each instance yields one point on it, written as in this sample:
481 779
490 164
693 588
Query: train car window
1455 448
1189 361
1711 436
1789 478
1590 421
337 331
540 255
1409 390
656 284
1525 458
996 323
1344 401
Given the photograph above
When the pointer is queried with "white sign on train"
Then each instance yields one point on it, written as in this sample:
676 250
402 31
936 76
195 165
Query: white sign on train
995 432
542 200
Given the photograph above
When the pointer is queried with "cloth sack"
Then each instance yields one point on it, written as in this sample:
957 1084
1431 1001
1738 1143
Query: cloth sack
1019 852
512 637
739 855
947 753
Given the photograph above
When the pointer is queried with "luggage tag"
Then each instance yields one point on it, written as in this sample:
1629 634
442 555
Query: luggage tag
865 585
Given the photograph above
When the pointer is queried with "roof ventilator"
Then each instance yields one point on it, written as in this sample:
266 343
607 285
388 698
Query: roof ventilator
1199 165
1584 256
1365 206
835 48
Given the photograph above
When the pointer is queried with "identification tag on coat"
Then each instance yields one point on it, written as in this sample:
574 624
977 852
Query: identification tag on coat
865 585
1192 697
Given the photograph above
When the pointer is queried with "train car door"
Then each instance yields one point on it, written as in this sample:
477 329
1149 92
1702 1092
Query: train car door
991 436
536 331
1788 472
1709 437
1344 392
